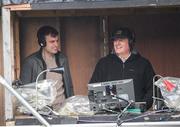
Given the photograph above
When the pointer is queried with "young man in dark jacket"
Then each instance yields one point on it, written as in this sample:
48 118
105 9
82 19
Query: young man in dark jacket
124 64
48 56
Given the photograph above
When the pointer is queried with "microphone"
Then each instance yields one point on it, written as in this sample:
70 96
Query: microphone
57 69
122 99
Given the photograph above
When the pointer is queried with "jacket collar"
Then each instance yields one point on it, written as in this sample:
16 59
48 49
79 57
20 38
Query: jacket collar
39 55
132 57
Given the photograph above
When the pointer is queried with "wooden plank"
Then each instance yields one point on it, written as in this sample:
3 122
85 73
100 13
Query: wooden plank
2 121
104 47
19 7
92 5
10 123
17 48
8 54
99 12
105 36
103 4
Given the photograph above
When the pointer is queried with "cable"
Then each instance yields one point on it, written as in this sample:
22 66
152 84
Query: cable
95 121
37 86
119 121
120 98
109 110
149 113
57 70
125 109
159 99
154 95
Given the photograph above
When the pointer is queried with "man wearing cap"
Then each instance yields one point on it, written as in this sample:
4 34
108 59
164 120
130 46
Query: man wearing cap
123 63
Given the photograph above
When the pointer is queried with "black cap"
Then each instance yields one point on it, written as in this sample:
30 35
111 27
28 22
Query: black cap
122 33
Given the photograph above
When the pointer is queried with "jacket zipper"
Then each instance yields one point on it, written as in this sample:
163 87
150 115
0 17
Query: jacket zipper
123 71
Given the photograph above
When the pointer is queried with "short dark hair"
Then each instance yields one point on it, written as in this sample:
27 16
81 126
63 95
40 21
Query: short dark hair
44 31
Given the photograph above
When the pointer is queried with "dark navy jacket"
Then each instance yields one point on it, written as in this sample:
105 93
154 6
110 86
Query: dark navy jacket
136 67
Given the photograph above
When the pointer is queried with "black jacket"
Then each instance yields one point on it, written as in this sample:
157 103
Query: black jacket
136 67
34 64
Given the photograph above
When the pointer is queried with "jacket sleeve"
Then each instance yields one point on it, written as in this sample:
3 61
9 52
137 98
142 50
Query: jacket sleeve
98 73
148 78
67 79
26 72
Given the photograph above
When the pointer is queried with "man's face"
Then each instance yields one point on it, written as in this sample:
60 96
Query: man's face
52 44
121 46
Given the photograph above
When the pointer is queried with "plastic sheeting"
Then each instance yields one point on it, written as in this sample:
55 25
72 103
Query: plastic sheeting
76 105
170 90
46 94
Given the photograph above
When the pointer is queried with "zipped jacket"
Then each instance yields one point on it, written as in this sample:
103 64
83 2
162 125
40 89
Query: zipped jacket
135 67
34 64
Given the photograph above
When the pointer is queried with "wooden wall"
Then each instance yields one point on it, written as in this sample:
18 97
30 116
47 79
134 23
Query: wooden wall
157 38
82 45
